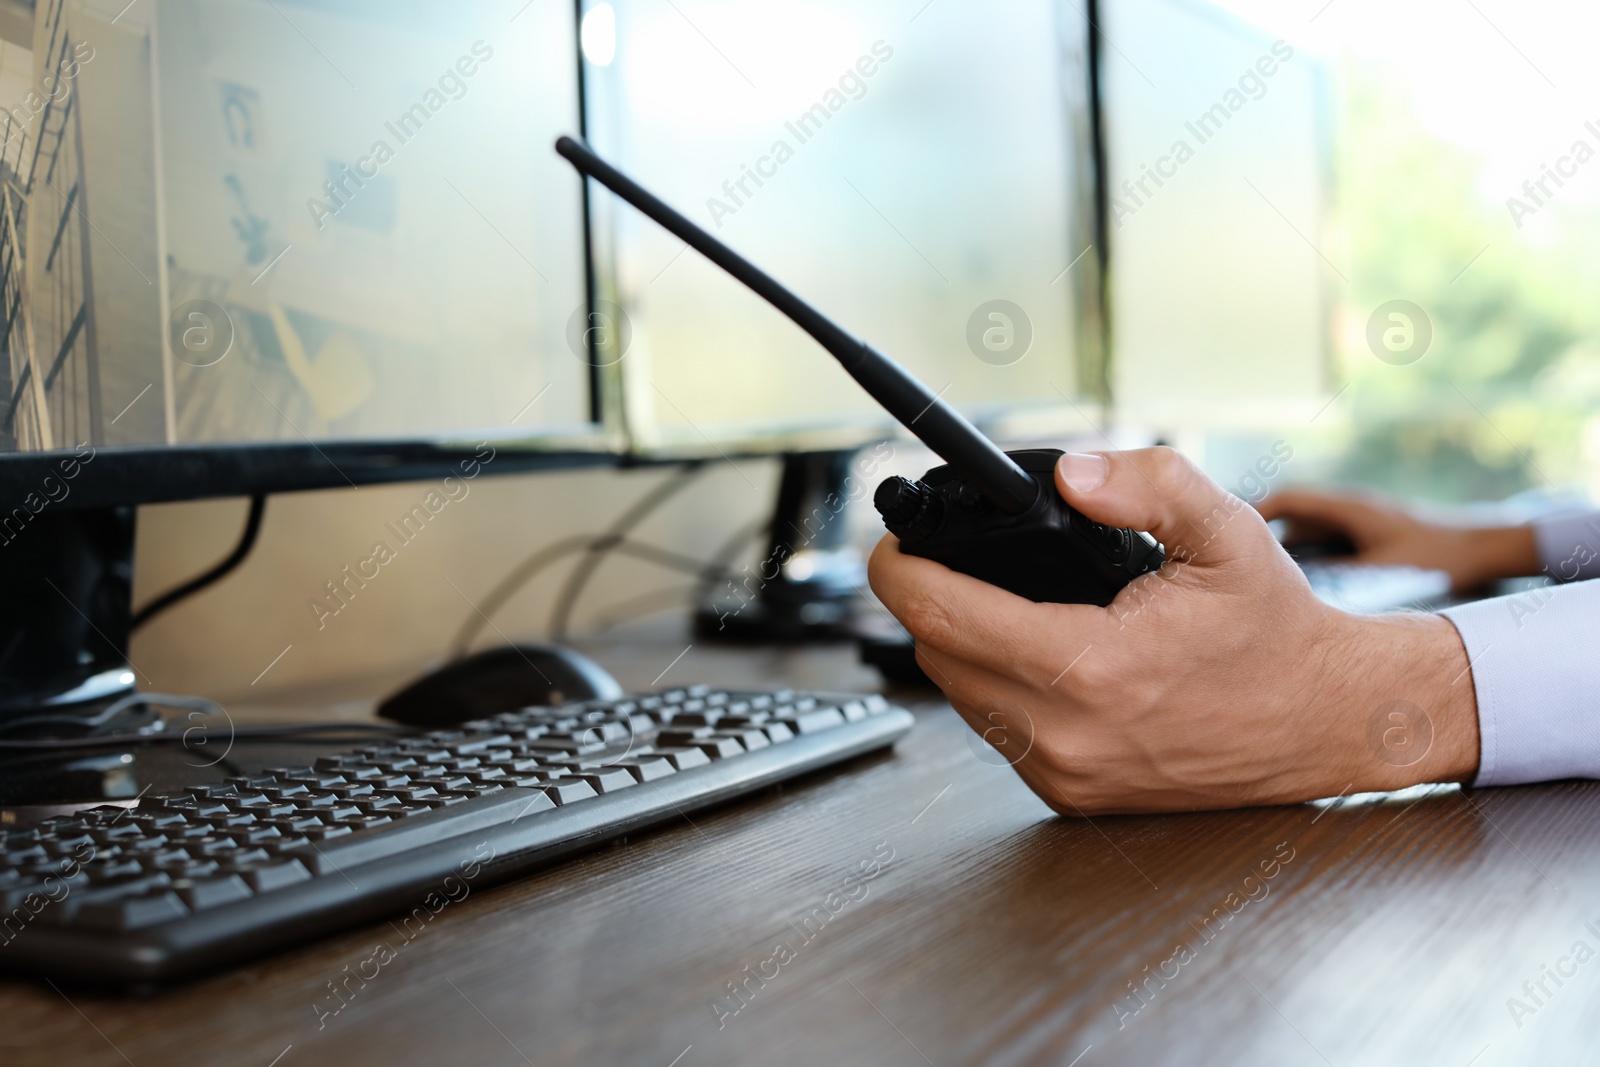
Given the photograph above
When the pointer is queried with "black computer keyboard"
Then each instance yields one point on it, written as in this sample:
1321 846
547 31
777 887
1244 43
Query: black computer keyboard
184 882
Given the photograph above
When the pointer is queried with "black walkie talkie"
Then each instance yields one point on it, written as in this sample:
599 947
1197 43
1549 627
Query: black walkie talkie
987 513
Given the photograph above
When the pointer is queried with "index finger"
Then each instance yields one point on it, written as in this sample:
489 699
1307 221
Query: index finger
1332 509
974 621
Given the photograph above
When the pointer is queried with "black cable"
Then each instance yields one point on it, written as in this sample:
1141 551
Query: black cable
637 607
568 597
597 546
247 541
722 559
550 555
515 579
284 731
123 707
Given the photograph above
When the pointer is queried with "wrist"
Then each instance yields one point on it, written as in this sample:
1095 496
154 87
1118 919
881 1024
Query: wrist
1491 553
1407 703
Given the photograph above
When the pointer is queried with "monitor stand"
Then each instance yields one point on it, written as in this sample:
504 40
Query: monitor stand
807 585
66 591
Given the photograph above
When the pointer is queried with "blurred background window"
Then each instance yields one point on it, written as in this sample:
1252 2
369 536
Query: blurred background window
1463 183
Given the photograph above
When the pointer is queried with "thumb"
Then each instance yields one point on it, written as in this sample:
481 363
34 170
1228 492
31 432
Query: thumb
1158 490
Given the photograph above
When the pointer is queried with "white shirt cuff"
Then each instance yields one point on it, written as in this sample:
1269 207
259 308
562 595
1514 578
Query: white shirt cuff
1534 666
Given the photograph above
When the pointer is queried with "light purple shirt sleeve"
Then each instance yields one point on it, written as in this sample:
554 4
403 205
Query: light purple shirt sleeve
1535 666
1569 547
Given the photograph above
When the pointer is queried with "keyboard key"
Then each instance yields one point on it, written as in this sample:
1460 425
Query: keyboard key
482 744
276 847
258 853
684 758
167 857
719 747
212 892
567 790
276 875
111 870
822 719
673 737
607 779
320 781
751 739
13 897
446 783
150 843
480 789
130 913
778 731
322 833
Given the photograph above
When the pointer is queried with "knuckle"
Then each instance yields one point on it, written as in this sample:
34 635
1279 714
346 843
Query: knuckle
1091 677
1167 466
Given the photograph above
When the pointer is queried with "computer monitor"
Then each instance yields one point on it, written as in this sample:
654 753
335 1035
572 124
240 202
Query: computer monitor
250 246
926 177
1218 178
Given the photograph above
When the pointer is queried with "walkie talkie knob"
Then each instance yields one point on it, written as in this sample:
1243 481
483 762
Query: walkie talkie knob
910 509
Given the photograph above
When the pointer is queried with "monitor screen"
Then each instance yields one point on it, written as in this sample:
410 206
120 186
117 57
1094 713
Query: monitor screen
922 177
1223 259
290 221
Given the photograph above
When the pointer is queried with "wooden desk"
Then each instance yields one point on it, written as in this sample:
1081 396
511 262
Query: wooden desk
1392 930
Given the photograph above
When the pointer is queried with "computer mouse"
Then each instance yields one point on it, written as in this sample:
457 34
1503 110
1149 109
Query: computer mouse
495 680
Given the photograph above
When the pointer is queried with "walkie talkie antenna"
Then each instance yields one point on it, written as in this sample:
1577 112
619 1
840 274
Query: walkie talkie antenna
939 427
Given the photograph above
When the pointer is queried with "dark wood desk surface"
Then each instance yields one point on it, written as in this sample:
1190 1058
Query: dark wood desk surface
1391 930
